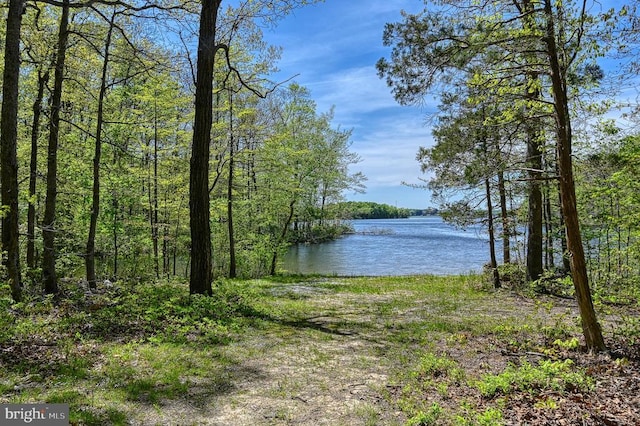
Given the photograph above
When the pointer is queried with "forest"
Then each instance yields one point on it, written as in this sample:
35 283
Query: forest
103 147
154 172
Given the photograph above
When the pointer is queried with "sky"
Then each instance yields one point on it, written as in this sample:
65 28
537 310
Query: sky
333 47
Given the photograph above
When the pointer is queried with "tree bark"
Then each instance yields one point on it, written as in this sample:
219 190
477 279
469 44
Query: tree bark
504 212
534 163
201 268
492 238
566 263
33 170
590 326
48 222
90 264
9 146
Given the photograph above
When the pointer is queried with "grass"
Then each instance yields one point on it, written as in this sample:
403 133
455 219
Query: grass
138 351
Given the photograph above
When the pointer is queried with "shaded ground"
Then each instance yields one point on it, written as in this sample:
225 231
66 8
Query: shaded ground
344 352
341 365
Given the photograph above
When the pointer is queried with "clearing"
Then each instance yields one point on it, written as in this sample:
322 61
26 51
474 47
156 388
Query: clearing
416 351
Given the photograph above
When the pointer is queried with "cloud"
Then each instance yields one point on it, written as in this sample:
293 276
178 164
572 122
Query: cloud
333 47
388 150
354 91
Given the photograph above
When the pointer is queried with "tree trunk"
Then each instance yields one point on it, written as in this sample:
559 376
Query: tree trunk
116 206
90 255
590 326
232 242
566 263
154 202
492 238
48 222
33 170
201 273
165 236
9 146
504 212
534 163
549 250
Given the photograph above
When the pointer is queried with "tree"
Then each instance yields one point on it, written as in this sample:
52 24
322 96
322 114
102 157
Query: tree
465 159
49 220
95 206
43 78
39 51
199 202
8 147
433 45
560 63
435 49
608 190
201 275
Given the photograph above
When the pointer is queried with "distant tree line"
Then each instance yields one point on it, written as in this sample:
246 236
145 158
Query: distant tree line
373 210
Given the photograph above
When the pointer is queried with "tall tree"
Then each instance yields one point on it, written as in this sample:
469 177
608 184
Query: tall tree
201 273
8 147
43 78
49 220
90 254
432 45
199 201
560 63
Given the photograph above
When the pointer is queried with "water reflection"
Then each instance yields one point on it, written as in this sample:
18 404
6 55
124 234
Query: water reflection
418 245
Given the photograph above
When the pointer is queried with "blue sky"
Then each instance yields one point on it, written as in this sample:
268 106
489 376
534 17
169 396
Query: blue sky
334 47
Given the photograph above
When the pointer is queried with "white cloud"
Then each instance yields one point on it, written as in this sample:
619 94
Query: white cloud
388 151
333 47
353 91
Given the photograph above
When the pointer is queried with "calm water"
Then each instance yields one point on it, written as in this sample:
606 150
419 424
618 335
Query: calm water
418 245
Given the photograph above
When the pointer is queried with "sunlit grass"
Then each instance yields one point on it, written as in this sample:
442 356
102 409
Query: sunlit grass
149 344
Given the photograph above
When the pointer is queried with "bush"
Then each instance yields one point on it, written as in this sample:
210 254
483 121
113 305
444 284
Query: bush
513 275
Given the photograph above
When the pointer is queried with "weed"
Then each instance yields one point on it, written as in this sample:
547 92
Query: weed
470 417
428 418
569 344
547 403
435 366
368 413
154 345
490 417
557 376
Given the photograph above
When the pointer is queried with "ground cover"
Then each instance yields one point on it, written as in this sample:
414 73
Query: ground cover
418 350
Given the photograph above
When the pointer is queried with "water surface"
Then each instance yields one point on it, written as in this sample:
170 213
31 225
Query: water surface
417 245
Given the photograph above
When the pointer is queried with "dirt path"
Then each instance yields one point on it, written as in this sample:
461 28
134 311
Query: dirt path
325 369
338 363
330 369
324 381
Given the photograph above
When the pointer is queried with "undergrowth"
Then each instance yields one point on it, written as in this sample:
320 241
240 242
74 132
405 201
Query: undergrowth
443 340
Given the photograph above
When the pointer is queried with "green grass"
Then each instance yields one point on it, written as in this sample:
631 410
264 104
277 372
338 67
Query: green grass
140 347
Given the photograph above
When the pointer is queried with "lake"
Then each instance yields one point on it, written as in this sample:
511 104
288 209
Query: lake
417 245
